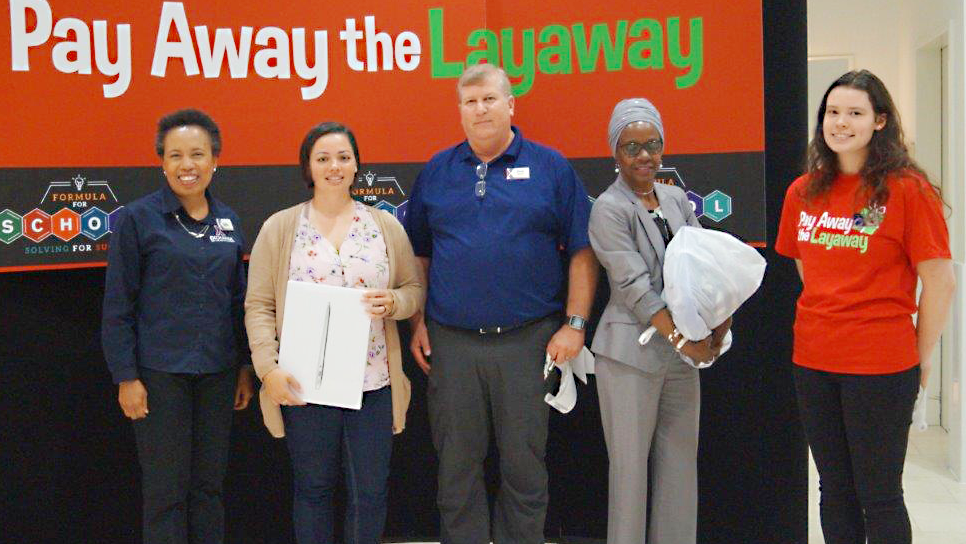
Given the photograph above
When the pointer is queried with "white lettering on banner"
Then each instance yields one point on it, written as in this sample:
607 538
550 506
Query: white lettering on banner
6 226
80 48
224 46
121 68
405 51
173 12
319 72
21 41
374 39
349 36
276 54
237 52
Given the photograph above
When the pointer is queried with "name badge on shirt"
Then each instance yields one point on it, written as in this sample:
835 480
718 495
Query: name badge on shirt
518 173
224 224
219 235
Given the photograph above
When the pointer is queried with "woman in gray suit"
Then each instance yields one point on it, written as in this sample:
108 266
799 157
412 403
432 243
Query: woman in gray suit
649 396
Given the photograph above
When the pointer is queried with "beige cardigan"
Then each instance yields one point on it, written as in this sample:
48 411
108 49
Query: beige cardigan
265 304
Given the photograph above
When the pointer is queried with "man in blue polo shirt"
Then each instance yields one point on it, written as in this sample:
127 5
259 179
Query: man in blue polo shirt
500 226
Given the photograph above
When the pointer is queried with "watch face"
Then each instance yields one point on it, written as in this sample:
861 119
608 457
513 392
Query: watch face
576 322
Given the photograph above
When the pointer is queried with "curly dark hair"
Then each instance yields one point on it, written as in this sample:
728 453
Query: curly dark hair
316 132
188 118
888 154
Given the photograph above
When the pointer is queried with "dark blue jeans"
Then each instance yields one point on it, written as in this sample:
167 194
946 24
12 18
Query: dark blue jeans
318 438
858 429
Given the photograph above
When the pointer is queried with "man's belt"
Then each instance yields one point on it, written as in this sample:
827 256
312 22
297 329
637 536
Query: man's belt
506 329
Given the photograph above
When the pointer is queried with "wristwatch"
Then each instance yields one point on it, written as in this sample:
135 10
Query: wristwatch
576 322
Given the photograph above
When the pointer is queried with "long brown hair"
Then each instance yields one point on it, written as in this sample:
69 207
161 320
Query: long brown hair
888 154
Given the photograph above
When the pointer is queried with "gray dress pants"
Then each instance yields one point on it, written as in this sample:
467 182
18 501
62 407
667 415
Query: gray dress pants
650 419
478 380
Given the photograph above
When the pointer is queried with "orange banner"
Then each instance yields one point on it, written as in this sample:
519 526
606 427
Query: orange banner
85 82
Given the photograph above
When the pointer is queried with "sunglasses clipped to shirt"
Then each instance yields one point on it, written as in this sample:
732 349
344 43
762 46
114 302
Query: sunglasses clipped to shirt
481 184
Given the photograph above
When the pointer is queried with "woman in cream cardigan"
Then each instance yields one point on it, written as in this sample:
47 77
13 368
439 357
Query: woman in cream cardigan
335 240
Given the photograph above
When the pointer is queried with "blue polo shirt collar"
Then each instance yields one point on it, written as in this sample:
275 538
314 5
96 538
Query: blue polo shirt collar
512 152
171 204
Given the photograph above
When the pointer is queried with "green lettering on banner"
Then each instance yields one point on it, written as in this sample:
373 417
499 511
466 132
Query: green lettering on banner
440 67
490 53
613 52
545 58
653 45
694 60
644 44
525 69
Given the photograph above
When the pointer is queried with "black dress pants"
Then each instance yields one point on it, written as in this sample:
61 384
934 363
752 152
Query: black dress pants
183 450
858 429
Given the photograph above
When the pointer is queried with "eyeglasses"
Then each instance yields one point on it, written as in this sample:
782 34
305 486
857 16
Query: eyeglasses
633 149
481 185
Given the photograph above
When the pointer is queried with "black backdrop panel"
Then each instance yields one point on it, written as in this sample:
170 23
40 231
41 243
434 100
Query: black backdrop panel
254 192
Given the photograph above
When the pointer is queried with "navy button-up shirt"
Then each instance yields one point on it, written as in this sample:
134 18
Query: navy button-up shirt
500 259
173 302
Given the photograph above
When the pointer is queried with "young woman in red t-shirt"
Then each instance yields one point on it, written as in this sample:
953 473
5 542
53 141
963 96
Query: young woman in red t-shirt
863 225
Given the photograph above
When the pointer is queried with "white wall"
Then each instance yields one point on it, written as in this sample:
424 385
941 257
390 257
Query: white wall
886 37
881 36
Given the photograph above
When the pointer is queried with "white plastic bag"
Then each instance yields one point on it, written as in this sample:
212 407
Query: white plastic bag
708 275
919 411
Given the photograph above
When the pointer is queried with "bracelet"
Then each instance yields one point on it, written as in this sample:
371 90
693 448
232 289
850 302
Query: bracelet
676 339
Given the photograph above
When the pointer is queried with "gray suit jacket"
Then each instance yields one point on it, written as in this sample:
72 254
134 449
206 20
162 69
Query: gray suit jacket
629 245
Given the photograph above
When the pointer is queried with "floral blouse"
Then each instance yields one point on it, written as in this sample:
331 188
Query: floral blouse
362 262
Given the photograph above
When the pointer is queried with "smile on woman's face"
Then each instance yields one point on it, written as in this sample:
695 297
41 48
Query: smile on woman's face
849 123
333 162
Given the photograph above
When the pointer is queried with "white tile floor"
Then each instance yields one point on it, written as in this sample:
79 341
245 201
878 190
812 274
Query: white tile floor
936 502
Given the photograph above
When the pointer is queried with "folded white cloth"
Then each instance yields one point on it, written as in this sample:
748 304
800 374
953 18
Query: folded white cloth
566 397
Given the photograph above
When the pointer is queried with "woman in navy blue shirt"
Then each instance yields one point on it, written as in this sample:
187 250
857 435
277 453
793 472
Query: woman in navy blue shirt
173 334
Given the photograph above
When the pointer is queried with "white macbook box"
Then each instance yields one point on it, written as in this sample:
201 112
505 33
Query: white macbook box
324 343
